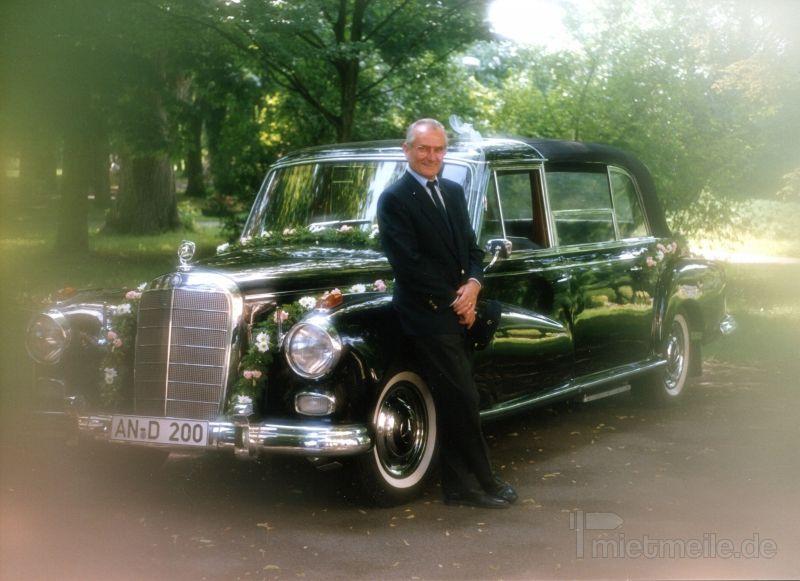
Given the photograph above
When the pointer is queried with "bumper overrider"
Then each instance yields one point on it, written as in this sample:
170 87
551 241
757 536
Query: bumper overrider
246 438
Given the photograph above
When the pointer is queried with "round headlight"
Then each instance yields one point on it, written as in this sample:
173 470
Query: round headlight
48 337
312 349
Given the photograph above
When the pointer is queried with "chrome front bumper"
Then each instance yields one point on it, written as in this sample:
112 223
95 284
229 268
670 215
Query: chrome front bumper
248 439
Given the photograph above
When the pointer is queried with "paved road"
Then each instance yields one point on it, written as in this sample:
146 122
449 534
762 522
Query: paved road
723 467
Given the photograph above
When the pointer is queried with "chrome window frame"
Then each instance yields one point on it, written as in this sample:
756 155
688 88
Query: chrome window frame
519 166
639 199
606 243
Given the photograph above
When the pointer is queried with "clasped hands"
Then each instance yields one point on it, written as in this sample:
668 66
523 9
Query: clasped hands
464 305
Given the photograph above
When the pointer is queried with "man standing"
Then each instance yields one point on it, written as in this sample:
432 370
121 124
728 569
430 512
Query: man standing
428 239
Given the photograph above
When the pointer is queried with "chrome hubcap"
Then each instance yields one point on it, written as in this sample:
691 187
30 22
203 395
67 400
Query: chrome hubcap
401 430
676 358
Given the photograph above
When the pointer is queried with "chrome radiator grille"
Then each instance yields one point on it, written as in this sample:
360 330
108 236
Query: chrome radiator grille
182 349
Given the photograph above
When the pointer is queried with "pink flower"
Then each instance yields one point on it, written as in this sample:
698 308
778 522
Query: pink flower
673 246
280 316
345 228
117 343
133 295
112 336
252 374
379 285
660 247
651 262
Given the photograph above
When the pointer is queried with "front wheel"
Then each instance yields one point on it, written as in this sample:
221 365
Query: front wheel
668 384
404 425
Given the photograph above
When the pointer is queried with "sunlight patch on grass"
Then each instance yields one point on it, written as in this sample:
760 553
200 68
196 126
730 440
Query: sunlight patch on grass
771 233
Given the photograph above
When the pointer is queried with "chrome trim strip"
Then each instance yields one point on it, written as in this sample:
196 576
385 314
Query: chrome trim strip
573 387
169 349
601 394
638 195
272 435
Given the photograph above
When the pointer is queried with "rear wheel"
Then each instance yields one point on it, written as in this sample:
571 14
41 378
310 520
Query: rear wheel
404 425
668 384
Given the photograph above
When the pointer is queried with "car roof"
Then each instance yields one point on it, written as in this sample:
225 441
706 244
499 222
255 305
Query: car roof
494 149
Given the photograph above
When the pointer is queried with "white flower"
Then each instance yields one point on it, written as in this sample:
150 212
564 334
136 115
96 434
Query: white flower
659 256
223 247
262 342
358 288
141 287
266 234
308 303
124 309
316 228
345 228
111 375
373 234
288 231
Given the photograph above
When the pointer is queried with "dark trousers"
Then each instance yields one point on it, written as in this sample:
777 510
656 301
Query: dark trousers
446 365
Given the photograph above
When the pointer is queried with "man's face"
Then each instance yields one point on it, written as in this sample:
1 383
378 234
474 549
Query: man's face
426 152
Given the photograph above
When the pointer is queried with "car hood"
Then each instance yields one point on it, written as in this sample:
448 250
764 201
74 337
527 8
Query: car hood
294 268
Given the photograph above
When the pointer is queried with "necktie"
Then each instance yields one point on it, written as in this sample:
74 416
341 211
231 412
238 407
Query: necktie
438 203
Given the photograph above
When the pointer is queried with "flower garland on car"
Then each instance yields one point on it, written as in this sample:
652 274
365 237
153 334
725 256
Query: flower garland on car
119 338
345 234
661 253
267 336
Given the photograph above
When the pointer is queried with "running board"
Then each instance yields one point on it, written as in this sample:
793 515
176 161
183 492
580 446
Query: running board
601 394
573 388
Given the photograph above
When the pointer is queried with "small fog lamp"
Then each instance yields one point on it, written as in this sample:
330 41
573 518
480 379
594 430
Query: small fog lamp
314 404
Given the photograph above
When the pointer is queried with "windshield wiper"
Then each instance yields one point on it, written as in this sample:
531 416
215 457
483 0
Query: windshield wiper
316 226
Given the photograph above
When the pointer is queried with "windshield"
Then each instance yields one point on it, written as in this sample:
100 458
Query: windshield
329 193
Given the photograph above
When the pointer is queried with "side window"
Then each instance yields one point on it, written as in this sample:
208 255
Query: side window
630 218
512 205
581 206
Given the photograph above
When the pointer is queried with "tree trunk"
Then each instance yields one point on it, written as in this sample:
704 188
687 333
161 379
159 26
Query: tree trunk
73 217
146 203
214 122
195 186
37 166
101 162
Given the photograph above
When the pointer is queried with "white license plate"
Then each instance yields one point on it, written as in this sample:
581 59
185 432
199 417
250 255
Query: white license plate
168 431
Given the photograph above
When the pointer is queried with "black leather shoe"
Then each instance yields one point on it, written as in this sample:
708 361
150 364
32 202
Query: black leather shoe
504 490
475 498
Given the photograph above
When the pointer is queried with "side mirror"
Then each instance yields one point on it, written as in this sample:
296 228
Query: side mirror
498 248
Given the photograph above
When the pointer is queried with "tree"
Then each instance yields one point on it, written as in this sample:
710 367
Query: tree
338 56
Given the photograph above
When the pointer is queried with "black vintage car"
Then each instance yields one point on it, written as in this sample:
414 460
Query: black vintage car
286 342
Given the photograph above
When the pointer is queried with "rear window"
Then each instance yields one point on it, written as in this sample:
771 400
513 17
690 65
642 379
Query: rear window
581 206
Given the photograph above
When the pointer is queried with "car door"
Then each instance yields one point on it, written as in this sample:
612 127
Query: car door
604 243
532 349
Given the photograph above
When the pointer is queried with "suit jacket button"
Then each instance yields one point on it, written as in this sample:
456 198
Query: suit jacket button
462 271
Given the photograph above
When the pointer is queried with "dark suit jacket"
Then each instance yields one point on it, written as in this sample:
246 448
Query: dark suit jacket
429 264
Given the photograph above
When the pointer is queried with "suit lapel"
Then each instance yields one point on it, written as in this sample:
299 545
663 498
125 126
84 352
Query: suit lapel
431 212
